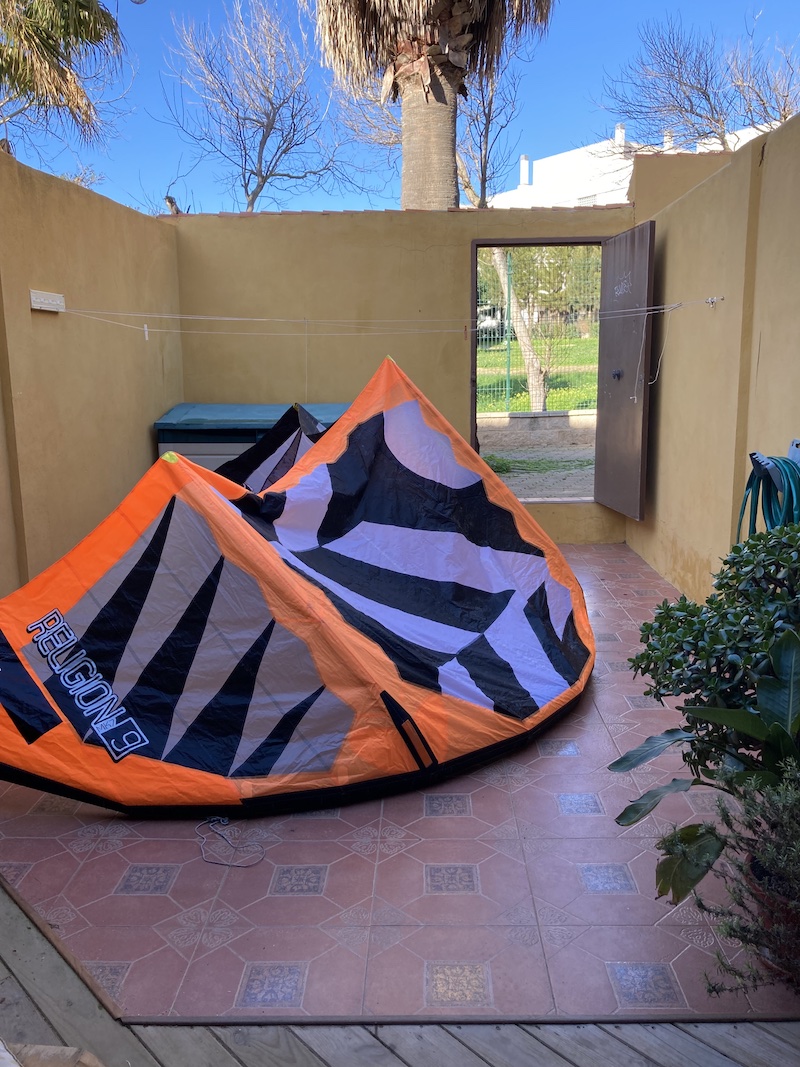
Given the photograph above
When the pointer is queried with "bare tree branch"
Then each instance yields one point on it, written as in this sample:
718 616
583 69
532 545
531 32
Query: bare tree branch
246 100
768 84
484 152
684 87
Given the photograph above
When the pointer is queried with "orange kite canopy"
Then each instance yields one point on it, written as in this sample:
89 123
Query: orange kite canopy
385 615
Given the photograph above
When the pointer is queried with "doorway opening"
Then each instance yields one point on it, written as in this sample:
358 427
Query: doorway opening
537 308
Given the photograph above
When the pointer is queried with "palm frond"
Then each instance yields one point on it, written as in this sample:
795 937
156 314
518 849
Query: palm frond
360 38
43 47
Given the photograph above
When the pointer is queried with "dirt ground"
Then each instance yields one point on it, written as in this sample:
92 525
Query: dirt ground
563 445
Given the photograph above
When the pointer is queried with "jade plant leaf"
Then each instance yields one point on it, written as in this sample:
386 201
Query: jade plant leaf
690 853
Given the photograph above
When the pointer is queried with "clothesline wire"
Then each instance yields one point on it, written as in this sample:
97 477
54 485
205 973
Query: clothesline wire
345 327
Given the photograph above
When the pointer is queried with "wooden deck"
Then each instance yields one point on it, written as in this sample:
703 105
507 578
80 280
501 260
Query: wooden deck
43 1002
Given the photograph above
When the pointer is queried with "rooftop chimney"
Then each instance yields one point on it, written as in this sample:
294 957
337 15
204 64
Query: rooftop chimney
524 171
669 140
619 135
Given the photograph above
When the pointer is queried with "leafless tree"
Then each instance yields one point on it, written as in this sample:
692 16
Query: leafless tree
767 83
245 98
84 175
370 120
484 153
685 86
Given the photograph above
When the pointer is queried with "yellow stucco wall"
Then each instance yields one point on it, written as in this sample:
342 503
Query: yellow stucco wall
9 542
774 387
571 522
658 180
341 291
77 393
705 245
333 295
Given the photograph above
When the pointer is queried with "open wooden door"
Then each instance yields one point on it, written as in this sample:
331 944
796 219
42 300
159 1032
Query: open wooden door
623 370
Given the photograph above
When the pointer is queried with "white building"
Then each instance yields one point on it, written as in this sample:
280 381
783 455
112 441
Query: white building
595 174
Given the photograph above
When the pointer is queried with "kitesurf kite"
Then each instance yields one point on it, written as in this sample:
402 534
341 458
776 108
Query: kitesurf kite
276 451
386 615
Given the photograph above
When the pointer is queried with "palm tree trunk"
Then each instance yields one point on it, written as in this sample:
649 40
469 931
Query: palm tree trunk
430 178
537 393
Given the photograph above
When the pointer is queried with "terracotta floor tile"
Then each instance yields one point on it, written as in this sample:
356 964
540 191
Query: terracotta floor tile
28 849
163 850
96 878
633 944
202 929
325 825
115 910
61 917
288 893
593 996
438 972
210 985
510 891
43 824
197 880
461 807
285 911
335 982
115 943
690 969
48 877
281 943
146 987
774 1000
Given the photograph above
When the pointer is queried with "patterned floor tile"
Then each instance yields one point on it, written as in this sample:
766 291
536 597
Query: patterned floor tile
606 878
447 878
645 985
457 985
202 929
272 985
452 804
507 892
109 976
147 878
299 879
13 873
579 804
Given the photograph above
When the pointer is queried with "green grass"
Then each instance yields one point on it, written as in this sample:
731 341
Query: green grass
503 465
568 390
569 352
567 393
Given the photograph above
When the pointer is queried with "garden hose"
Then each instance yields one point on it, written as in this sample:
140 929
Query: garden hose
776 480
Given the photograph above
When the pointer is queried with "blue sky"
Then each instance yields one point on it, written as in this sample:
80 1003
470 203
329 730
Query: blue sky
561 94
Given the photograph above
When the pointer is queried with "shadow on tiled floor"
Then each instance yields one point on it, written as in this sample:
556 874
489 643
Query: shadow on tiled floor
507 893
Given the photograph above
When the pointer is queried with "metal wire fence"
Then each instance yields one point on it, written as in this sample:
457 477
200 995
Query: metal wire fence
537 328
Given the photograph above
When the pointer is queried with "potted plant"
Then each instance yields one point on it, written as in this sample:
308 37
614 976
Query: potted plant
760 835
737 660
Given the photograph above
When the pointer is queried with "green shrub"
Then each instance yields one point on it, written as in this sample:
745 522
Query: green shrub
714 653
737 660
